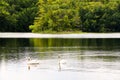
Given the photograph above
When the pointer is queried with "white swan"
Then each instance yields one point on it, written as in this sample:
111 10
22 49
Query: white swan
32 62
61 63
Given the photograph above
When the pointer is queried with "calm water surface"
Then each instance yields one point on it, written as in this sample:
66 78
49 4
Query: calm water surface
81 59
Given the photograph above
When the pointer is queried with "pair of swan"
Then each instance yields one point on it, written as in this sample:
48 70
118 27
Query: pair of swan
36 62
30 62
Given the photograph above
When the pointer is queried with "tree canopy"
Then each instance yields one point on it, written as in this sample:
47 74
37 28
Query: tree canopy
59 15
70 15
56 15
17 15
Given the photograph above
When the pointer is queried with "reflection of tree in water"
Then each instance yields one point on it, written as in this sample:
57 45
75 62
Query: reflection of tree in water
105 58
53 46
14 42
103 44
11 47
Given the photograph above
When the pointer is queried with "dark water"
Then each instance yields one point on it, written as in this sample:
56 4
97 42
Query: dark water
81 59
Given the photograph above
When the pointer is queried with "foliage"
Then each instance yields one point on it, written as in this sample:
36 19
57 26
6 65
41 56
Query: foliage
99 17
17 15
70 15
59 15
6 19
56 15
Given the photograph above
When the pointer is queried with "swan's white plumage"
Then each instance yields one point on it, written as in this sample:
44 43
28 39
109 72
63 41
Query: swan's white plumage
32 62
62 61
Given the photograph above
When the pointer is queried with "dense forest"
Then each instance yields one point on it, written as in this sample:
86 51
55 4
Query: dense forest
17 15
59 15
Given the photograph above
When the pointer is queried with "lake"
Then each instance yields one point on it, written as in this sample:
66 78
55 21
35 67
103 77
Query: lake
60 59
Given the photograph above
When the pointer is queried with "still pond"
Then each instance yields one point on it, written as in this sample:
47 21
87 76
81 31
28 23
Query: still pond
59 59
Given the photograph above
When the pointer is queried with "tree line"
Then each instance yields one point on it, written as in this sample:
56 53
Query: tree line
60 15
17 15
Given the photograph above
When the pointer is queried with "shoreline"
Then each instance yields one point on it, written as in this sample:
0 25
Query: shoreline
73 35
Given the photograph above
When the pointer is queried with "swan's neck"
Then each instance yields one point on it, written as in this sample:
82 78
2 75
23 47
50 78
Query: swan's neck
59 65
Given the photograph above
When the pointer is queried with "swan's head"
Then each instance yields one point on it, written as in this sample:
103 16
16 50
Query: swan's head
28 59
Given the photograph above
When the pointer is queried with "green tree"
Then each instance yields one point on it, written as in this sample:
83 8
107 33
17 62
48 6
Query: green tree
100 17
56 15
17 15
26 11
7 21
